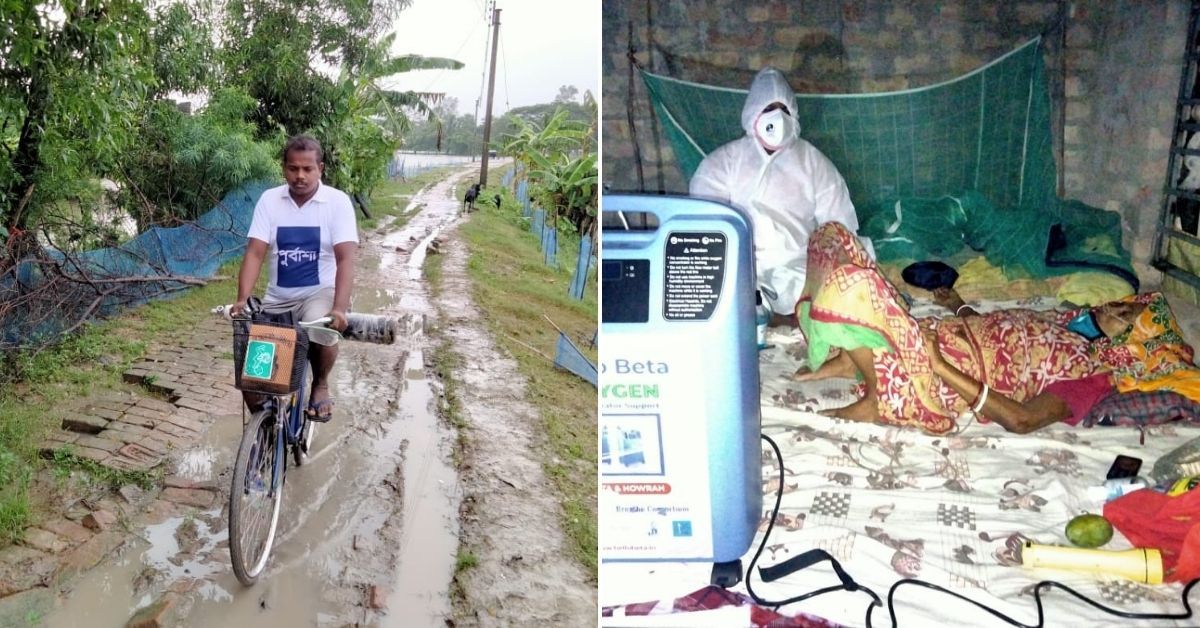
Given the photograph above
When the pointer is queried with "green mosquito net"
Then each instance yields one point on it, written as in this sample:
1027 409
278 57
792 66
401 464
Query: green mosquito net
962 165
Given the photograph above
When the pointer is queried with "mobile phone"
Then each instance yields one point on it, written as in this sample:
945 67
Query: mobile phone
1124 467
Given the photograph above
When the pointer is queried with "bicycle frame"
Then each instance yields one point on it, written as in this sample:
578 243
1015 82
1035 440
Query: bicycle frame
292 428
281 418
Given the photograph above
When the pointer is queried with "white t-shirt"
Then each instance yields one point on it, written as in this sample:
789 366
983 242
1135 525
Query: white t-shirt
301 239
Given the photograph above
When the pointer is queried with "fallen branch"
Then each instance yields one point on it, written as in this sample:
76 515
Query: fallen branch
192 281
87 314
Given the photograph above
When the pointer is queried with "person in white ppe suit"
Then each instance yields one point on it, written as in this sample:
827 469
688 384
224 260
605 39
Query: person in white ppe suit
785 185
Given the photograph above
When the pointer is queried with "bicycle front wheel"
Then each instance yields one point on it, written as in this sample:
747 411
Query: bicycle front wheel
253 502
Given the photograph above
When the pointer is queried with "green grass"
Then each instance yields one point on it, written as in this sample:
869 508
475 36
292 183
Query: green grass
432 271
63 462
464 561
444 361
390 198
517 290
38 388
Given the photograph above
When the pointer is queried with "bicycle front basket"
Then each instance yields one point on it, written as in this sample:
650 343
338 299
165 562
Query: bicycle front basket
268 357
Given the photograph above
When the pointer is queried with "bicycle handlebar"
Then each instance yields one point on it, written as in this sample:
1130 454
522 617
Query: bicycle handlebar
372 328
226 311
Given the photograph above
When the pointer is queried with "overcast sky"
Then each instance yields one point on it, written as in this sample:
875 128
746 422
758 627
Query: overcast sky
544 44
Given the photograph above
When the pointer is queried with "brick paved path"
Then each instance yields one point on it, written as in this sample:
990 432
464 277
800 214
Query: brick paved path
183 387
186 384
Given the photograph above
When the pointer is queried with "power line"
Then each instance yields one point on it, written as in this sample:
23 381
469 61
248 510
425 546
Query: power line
442 73
483 72
504 60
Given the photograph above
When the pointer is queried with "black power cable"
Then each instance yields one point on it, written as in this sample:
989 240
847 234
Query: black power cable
847 583
802 561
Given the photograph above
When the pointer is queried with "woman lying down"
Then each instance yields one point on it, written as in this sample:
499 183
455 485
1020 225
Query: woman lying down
1019 368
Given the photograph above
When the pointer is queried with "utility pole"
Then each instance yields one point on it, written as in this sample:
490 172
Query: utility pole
487 120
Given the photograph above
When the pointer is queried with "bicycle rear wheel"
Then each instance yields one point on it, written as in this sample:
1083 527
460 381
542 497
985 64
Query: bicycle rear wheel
253 504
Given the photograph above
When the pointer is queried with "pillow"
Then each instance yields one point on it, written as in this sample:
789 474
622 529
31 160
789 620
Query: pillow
1142 408
1092 288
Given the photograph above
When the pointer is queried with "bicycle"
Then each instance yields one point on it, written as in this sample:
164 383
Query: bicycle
260 467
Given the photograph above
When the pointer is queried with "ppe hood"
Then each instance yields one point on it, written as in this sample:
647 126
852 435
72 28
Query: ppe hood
769 86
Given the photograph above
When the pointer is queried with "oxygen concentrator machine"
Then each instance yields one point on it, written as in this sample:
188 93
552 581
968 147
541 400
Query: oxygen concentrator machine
680 455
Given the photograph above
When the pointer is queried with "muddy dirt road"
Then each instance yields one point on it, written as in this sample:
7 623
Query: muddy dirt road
370 526
511 517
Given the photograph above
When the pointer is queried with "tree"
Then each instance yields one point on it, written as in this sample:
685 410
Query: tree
539 115
185 164
566 94
458 134
71 86
569 187
367 122
273 50
564 176
551 140
182 51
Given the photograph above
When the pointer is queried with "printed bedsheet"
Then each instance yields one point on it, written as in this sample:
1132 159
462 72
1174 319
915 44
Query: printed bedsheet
893 503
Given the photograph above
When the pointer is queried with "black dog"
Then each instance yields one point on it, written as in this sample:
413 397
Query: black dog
469 198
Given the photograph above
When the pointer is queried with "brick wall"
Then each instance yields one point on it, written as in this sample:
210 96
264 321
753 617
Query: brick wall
1120 62
1123 66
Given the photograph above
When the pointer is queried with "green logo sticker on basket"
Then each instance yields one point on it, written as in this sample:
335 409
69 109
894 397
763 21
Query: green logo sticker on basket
260 360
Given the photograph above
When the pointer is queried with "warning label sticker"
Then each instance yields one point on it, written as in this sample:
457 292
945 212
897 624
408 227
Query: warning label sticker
694 270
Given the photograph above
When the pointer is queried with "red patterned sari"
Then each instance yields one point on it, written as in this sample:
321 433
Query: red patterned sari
847 303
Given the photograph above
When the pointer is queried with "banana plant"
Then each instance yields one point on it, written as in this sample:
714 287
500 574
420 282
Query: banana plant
367 122
568 188
553 140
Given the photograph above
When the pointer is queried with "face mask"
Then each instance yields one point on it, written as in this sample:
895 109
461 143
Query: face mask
774 129
1085 325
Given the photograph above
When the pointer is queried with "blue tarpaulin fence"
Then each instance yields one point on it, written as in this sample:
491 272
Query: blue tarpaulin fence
539 221
523 197
583 264
569 357
550 245
46 297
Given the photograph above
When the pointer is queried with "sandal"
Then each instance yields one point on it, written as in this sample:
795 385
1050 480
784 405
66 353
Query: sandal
320 411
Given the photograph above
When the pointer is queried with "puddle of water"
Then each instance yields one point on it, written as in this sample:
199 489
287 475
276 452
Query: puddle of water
214 452
163 554
429 533
197 463
105 599
108 596
417 257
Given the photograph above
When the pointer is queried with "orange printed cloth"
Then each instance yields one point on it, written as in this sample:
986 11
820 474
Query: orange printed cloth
1151 354
847 303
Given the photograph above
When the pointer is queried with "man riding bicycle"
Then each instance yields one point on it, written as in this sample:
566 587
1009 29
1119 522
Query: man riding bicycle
311 233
